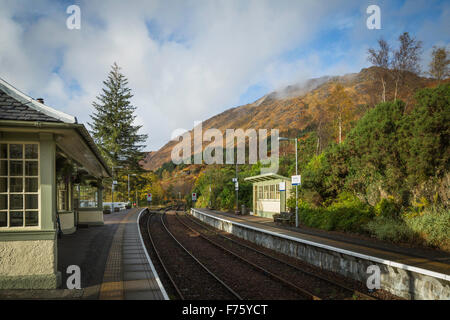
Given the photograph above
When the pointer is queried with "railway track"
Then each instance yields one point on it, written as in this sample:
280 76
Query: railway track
291 273
248 279
200 282
190 254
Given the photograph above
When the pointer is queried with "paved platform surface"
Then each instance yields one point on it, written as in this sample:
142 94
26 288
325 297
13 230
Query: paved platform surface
128 273
89 248
112 261
432 260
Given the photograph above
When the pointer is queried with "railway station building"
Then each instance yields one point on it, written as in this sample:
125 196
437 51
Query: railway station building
267 197
50 181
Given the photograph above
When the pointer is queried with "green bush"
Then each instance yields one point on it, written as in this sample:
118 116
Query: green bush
346 213
395 230
430 228
433 225
387 208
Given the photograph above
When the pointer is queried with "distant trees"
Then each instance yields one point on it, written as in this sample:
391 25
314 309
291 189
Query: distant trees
341 108
381 59
394 64
439 65
148 182
389 152
406 59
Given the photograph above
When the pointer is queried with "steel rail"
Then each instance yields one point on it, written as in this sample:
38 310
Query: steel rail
161 261
201 264
255 266
284 262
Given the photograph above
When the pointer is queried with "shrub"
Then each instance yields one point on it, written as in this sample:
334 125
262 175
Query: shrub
387 208
395 230
346 213
431 228
433 224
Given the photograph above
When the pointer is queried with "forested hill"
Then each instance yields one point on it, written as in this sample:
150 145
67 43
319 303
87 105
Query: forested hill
307 105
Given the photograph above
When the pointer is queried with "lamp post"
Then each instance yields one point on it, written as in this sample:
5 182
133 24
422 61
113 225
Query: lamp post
237 188
112 186
134 175
296 173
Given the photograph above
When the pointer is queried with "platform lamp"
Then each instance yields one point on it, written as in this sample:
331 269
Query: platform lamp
296 173
112 186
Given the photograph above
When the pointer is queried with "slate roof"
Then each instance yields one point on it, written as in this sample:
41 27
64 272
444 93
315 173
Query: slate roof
17 106
12 109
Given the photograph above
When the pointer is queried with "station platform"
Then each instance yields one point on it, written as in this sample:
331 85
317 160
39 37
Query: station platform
346 254
113 262
433 260
129 272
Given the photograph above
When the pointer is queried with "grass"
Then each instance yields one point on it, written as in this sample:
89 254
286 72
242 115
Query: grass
431 228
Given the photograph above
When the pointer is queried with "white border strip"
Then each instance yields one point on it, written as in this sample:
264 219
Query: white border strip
166 297
324 246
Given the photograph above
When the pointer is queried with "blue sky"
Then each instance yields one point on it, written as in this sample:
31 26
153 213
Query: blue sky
189 60
334 38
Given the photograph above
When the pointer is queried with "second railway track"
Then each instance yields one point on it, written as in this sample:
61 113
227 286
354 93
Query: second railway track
249 281
198 262
318 285
188 278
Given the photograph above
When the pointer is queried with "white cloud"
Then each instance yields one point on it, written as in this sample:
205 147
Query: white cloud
200 57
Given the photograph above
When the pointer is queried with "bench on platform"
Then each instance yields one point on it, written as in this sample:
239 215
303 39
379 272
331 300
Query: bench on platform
283 217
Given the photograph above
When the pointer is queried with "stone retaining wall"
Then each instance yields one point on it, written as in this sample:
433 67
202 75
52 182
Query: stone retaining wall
399 281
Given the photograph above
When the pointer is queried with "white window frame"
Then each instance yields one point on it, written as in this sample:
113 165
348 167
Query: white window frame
23 193
68 196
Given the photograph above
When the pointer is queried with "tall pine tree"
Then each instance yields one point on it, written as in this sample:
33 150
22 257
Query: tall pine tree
112 123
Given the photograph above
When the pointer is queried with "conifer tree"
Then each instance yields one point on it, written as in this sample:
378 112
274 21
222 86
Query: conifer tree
112 123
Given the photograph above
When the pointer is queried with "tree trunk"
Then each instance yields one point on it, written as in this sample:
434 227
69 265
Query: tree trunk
384 89
396 88
340 129
318 144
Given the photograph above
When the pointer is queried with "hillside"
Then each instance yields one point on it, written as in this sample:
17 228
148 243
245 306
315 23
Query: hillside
295 107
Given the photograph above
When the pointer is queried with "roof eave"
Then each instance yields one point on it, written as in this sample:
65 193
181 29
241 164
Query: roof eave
30 102
79 128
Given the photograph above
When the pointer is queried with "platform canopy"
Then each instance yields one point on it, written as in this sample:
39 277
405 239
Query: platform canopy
266 177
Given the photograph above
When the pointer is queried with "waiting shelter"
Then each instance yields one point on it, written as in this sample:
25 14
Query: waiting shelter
50 181
267 197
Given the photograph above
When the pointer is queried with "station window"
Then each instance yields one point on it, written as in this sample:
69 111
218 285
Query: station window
266 192
63 194
272 192
260 192
88 196
19 184
277 191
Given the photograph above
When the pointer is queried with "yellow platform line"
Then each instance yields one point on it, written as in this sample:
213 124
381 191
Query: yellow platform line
112 285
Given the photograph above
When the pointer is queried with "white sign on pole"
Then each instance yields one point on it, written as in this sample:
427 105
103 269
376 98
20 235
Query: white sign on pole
194 196
236 185
149 197
234 179
296 180
115 182
283 186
